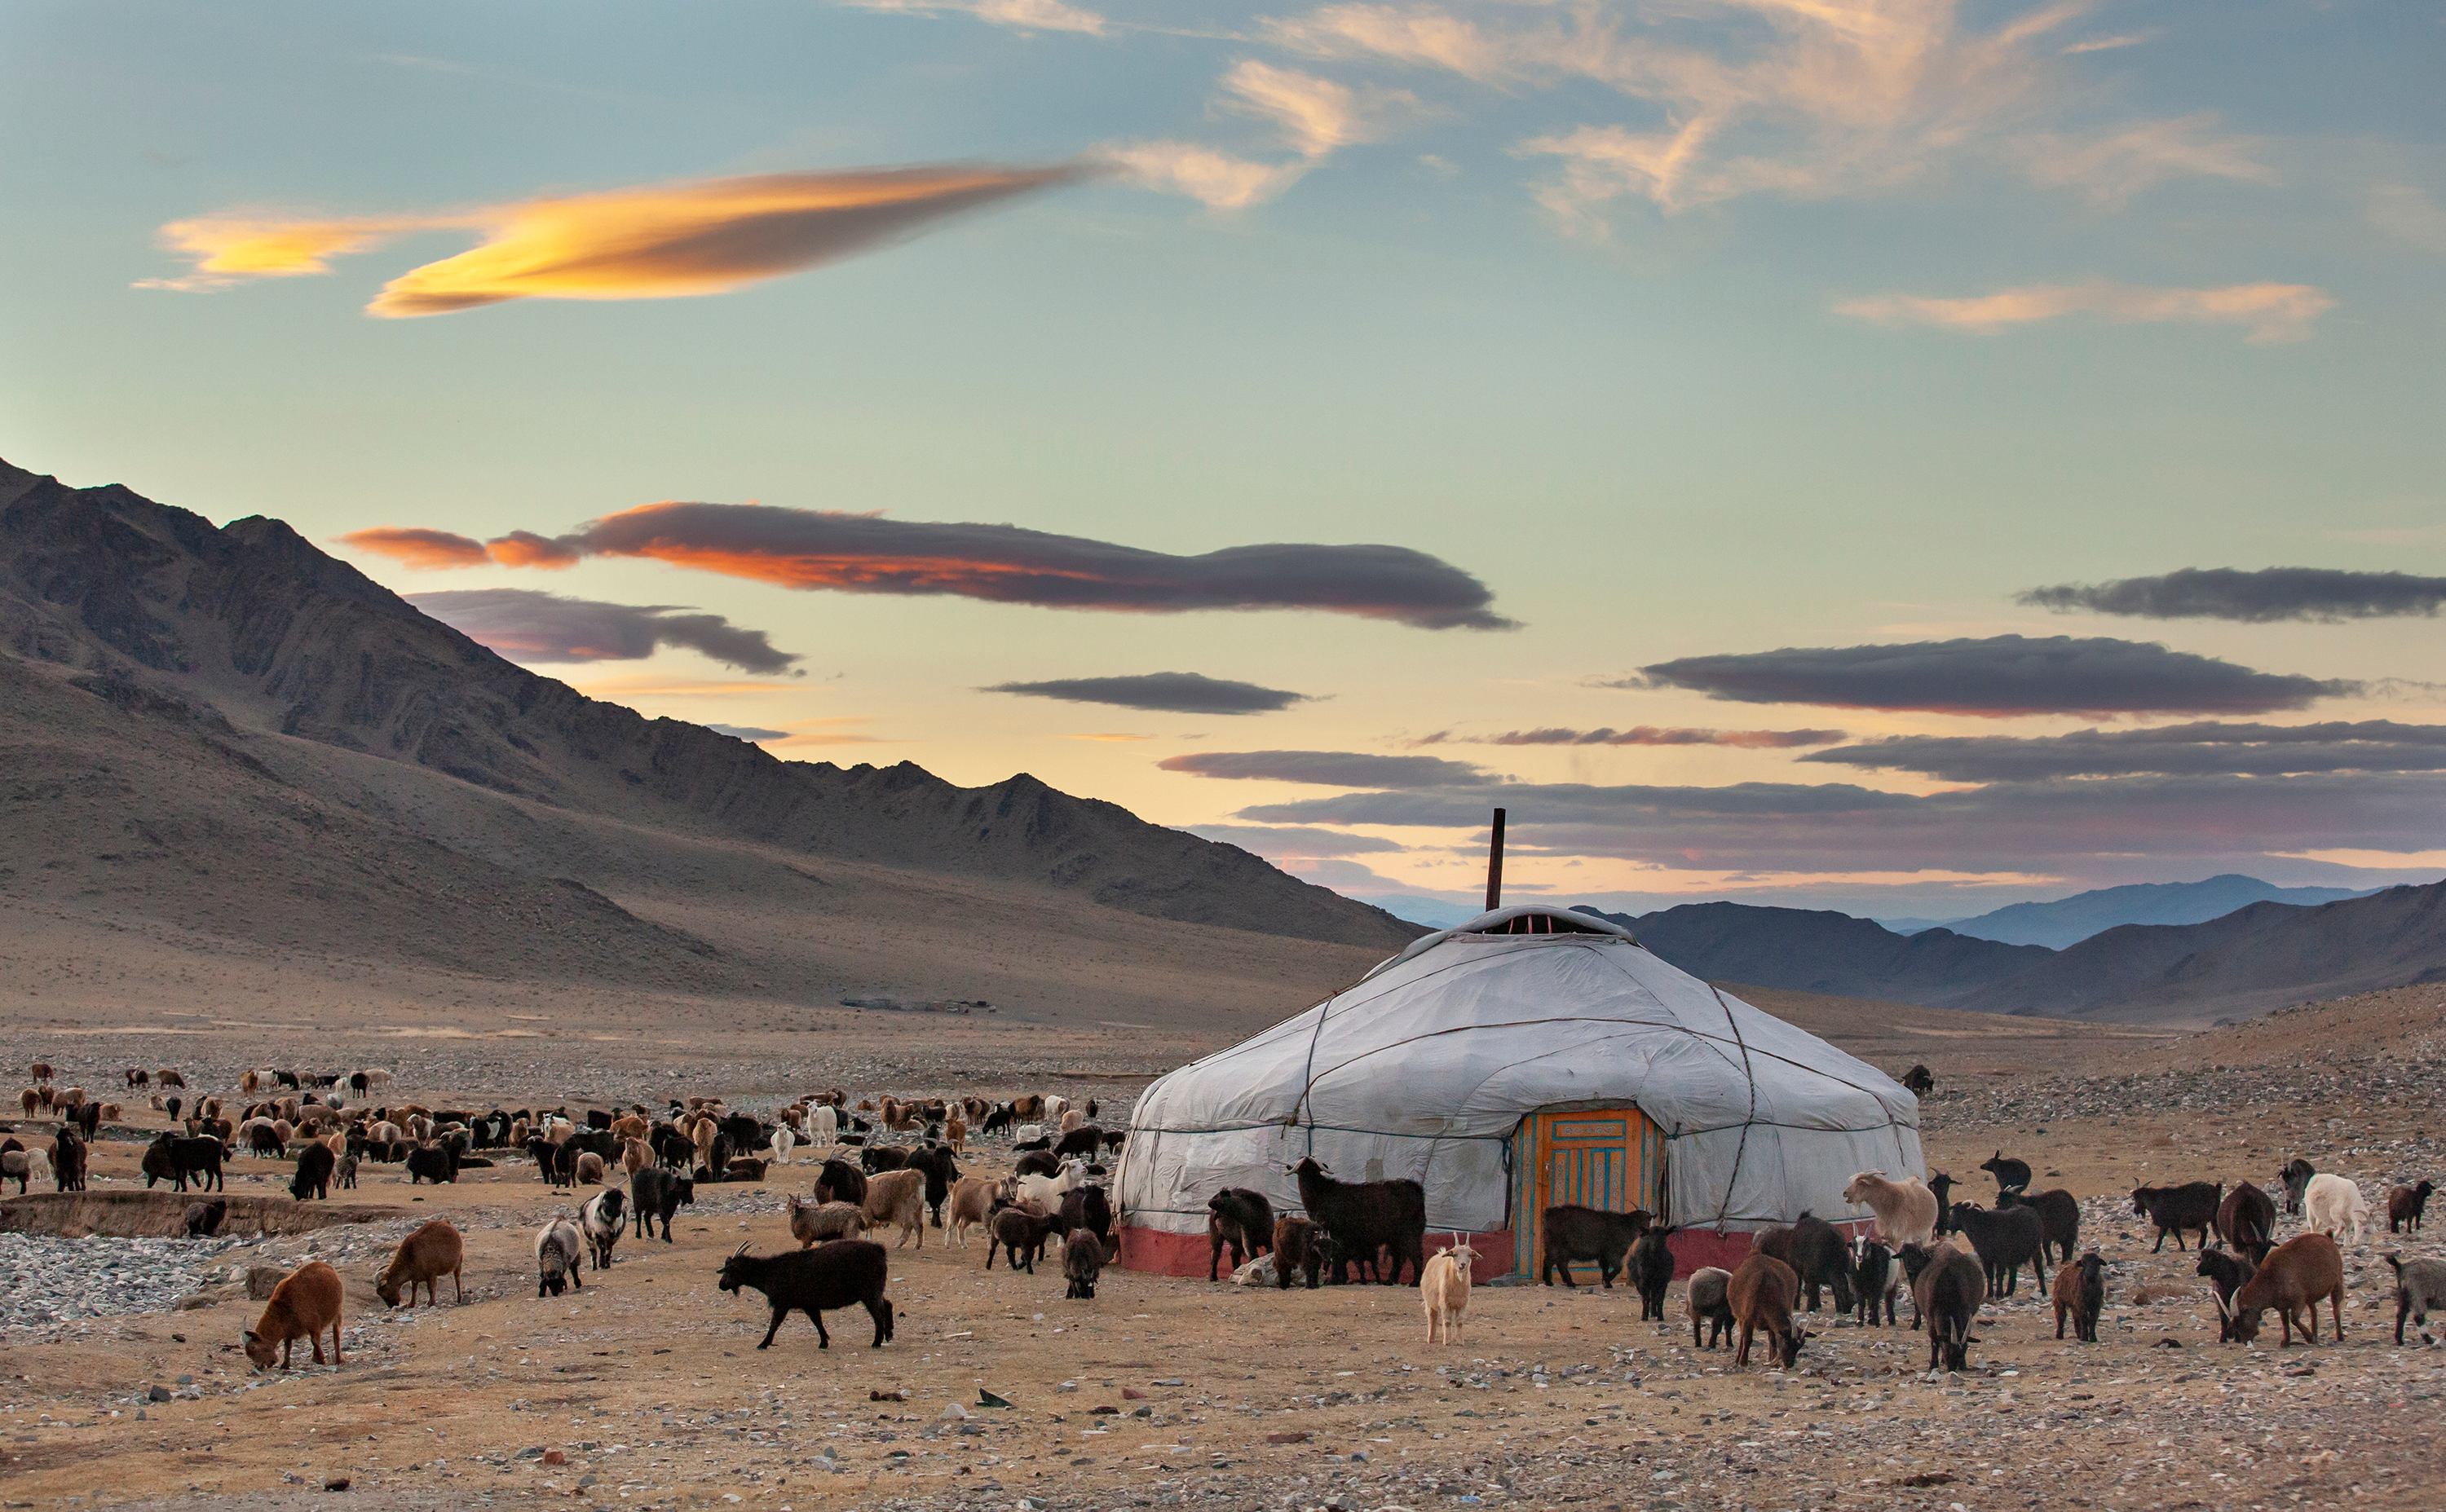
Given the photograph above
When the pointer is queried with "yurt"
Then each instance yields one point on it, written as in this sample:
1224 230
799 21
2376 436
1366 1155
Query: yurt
1531 1058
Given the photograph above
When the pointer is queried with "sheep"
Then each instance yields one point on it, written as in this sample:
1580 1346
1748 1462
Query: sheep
1876 1281
2331 1202
1570 1234
837 1181
1072 1118
603 1224
2420 1290
422 1260
2191 1206
1083 1258
29 1100
784 1140
2059 1219
1948 1287
1904 1209
2080 1296
204 1220
658 1193
306 1302
1024 1232
822 1126
2295 1179
955 1133
843 1272
2225 1274
558 1257
14 1165
1295 1252
1708 1303
1761 1294
2405 1205
1241 1217
2295 1278
591 1168
1029 1136
1650 1265
1816 1254
898 1197
40 1071
1366 1217
177 1159
813 1223
2005 1239
971 1206
313 1175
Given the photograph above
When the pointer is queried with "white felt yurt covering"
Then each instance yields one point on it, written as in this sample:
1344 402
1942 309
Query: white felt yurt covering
1427 1066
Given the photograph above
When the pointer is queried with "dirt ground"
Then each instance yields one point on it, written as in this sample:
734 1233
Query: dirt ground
646 1389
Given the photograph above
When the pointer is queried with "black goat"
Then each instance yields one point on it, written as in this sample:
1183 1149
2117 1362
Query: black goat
1943 1186
1819 1255
2006 1239
837 1181
1083 1258
1651 1271
656 1193
2174 1209
1241 1217
2226 1273
1572 1234
883 1157
941 1171
435 1166
1366 1216
204 1218
1001 1119
2011 1175
1023 1232
68 1160
1084 1140
2295 1179
1872 1283
1919 1081
175 1159
2246 1221
1036 1162
844 1273
2058 1214
1948 1287
1086 1208
313 1176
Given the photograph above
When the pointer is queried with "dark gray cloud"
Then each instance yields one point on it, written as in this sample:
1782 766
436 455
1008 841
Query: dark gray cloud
1340 769
2270 593
527 626
1646 735
1001 564
1174 692
1997 677
2247 750
747 732
1294 840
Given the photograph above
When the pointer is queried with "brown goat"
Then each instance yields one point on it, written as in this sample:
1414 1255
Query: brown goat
423 1258
306 1302
2294 1279
1763 1293
2080 1297
898 1198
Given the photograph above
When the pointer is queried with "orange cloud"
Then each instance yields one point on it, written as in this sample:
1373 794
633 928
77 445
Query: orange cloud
417 547
657 241
2274 312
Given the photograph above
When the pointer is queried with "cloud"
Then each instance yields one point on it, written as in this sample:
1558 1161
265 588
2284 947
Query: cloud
2270 594
526 625
747 732
2274 312
1271 840
1650 735
1995 677
1316 115
1346 768
2180 750
1019 15
1216 179
1174 692
2114 168
2406 212
1000 564
2129 39
657 241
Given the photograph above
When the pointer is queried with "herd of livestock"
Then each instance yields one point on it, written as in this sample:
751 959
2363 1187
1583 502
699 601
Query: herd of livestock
1951 1256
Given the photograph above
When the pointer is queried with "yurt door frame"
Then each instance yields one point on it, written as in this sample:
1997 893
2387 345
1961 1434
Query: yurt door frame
1606 1158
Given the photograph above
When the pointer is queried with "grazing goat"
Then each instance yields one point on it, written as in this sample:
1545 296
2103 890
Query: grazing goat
422 1260
558 1257
305 1304
1761 1294
2174 1209
313 1175
2246 1221
2295 1179
1241 1217
2405 1205
1366 1217
2296 1277
2420 1290
1919 1081
1084 1140
655 1193
1817 1255
1948 1287
204 1218
899 1198
814 1223
2333 1203
1296 1252
837 1181
604 1224
1650 1265
844 1272
1709 1303
2059 1218
1083 1258
971 1206
1443 1288
1023 1232
2011 1175
2225 1274
1572 1233
2005 1239
1876 1282
1036 1162
2080 1296
1904 1209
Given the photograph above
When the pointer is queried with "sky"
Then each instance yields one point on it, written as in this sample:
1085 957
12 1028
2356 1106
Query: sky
1898 456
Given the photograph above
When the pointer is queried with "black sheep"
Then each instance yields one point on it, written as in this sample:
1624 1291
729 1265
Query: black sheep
2174 1209
1651 1272
840 1274
313 1177
2011 1175
657 1193
1366 1217
2006 1239
1818 1255
1570 1234
1241 1217
178 1159
1948 1287
2058 1214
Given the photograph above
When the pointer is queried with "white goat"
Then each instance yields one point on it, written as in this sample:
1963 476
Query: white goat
824 1126
2332 1203
1045 1191
1443 1288
782 1142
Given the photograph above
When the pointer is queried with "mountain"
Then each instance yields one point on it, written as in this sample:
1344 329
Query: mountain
196 721
2069 921
1821 951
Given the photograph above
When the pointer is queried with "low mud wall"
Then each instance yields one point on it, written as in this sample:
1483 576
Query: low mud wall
163 1215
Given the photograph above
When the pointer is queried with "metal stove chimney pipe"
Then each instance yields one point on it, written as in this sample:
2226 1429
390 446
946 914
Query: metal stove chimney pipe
1494 866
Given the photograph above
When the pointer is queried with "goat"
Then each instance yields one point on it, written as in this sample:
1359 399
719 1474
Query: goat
971 1206
1366 1217
347 1172
814 1223
1022 1231
2295 1278
204 1220
439 1164
657 1193
558 1257
1048 1192
1088 1207
2005 1239
1570 1234
589 1172
2011 1175
839 1274
1919 1081
1295 1252
1904 1209
1948 1287
2331 1202
306 1302
422 1260
604 1224
742 1169
1241 1217
1817 1255
68 1160
941 1170
2405 1205
2080 1296
2225 1274
1036 1162
313 1175
1761 1294
2059 1219
1941 1188
2420 1290
1650 1263
883 1157
174 1159
2295 1179
2246 1221
898 1197
1709 1303
1084 1140
1443 1288
2174 1209
1002 1116
837 1181
1875 1281
1083 1258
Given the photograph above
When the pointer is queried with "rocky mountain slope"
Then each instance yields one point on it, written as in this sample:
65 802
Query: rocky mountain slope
2069 921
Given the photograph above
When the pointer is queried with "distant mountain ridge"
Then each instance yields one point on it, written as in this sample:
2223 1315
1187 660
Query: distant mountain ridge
2069 921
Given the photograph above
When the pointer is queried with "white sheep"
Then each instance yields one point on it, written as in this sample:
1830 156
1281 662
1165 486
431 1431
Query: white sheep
1906 1209
2332 1203
782 1142
824 1126
1443 1288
